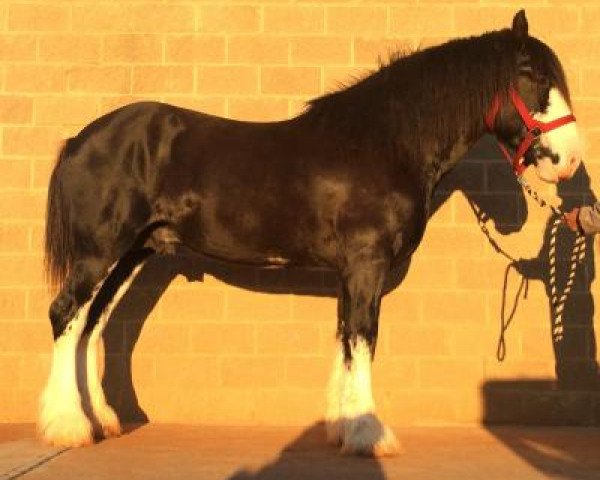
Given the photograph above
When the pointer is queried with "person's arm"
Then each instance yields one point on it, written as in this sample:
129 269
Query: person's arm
585 219
588 219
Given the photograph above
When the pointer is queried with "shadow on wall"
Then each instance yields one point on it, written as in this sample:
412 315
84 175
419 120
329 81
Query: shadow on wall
490 185
310 457
573 338
573 397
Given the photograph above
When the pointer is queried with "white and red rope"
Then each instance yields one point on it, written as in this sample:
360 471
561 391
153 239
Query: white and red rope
558 299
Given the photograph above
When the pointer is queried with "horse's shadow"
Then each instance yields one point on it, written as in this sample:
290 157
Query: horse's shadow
488 185
308 456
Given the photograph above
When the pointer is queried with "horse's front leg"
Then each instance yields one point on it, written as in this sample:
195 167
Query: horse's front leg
351 420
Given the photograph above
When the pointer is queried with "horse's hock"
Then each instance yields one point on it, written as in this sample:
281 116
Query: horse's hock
196 341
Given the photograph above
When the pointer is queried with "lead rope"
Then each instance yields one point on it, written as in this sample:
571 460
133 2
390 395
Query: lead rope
557 301
523 287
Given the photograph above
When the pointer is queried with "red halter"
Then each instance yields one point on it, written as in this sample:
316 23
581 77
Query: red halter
534 128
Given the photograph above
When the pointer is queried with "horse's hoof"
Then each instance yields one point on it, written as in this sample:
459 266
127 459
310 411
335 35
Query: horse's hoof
72 429
108 420
387 447
367 436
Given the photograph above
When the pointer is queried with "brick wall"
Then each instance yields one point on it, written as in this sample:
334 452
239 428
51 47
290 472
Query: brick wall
214 350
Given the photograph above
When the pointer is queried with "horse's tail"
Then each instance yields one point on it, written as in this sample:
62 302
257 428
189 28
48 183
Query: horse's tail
58 247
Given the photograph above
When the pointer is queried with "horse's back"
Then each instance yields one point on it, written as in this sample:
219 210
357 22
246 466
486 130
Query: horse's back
242 191
238 190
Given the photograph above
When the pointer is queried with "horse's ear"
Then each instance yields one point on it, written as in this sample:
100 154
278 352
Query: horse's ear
520 27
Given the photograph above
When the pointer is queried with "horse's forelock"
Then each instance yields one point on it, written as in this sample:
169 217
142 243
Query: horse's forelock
552 66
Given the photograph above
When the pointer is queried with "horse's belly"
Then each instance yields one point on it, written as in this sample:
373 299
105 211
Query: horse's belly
241 254
244 238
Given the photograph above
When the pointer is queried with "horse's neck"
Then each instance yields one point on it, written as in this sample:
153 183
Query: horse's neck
445 158
438 131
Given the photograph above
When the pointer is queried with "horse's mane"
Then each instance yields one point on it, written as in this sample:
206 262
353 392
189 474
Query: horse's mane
409 91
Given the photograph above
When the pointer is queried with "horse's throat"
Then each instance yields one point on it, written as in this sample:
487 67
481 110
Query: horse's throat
445 159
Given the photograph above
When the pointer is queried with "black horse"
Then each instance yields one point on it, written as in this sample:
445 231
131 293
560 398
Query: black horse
346 185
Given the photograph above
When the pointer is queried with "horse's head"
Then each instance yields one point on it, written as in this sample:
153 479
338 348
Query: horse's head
535 118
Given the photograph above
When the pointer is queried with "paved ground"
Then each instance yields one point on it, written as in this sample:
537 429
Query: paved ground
255 453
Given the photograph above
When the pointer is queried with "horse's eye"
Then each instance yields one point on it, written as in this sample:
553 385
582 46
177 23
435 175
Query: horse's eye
526 71
545 99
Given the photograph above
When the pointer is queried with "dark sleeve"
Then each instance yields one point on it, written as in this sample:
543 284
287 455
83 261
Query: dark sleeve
589 218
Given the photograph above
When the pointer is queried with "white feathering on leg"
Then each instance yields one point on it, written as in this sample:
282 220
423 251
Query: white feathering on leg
62 421
104 413
363 432
333 420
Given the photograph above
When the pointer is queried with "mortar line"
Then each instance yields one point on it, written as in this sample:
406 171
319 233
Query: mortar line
22 470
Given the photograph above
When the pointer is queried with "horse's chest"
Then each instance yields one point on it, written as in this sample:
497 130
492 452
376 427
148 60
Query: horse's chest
407 227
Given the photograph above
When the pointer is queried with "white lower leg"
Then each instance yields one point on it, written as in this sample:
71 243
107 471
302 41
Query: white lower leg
333 415
362 432
103 412
62 420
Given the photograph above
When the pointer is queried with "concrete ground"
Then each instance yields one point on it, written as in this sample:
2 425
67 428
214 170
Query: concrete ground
257 453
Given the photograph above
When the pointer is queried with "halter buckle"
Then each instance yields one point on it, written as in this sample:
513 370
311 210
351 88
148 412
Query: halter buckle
536 132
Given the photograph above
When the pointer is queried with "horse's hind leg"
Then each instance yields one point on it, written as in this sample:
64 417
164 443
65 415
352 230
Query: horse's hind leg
113 289
61 419
351 418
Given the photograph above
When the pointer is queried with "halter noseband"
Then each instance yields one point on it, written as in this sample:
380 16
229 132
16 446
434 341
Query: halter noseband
534 128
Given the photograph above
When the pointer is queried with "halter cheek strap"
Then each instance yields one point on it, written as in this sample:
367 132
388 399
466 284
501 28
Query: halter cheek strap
534 128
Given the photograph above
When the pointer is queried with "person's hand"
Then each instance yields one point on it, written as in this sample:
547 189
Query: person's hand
570 219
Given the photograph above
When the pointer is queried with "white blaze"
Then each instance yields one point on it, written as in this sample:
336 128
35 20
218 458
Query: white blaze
563 141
